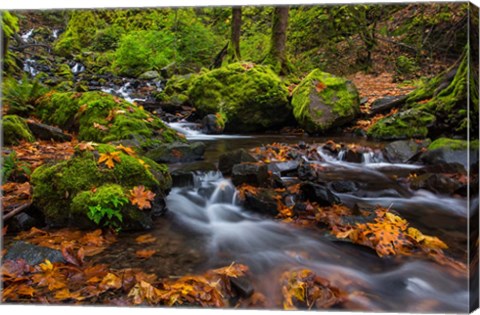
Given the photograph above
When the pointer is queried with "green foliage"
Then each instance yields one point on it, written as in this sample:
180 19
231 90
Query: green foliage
142 51
9 26
21 96
405 65
13 168
453 144
107 203
15 129
251 98
107 39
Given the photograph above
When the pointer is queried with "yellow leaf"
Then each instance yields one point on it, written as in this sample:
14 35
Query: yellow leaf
109 159
47 266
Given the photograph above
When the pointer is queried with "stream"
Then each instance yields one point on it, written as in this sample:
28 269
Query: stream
206 227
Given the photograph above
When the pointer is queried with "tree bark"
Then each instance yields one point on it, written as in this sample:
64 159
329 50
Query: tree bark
277 55
236 31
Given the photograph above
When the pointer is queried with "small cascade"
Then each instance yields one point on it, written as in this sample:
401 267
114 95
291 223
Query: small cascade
211 212
55 33
192 131
29 67
78 68
125 92
26 36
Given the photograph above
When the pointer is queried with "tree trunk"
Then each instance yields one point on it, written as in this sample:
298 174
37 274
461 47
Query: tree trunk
277 55
236 29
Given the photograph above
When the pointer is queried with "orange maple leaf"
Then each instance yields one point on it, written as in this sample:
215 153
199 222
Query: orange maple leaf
126 150
109 158
141 197
99 127
320 86
146 238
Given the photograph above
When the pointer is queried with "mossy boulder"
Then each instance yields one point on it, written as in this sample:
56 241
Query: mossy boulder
15 129
175 92
64 192
252 97
323 101
446 150
101 117
412 123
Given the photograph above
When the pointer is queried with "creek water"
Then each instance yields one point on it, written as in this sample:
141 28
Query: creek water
206 227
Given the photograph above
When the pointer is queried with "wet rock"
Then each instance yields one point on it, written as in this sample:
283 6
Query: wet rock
251 174
317 193
149 75
284 168
212 124
404 150
22 222
46 132
353 156
33 254
243 286
306 172
228 160
262 201
437 183
184 176
177 152
385 104
343 186
448 155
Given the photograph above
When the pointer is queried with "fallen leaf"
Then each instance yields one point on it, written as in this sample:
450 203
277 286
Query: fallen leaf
145 239
99 126
146 253
109 159
126 150
141 197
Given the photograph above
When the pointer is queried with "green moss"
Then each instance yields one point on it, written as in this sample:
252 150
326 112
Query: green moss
61 190
15 129
403 125
252 99
322 101
453 144
100 117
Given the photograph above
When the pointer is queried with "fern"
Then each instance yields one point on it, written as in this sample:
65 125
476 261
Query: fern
20 96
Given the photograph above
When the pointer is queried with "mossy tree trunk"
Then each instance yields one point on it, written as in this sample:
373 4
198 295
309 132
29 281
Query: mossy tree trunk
236 31
277 54
446 97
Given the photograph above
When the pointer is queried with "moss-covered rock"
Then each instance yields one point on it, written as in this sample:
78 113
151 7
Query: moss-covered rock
407 124
101 117
175 92
452 144
15 129
64 192
252 98
322 101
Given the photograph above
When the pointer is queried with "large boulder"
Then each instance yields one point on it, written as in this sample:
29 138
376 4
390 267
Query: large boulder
252 97
228 160
404 150
251 174
15 130
89 191
323 101
411 123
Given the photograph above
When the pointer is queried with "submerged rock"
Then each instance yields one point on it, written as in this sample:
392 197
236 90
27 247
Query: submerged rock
33 254
437 183
322 101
